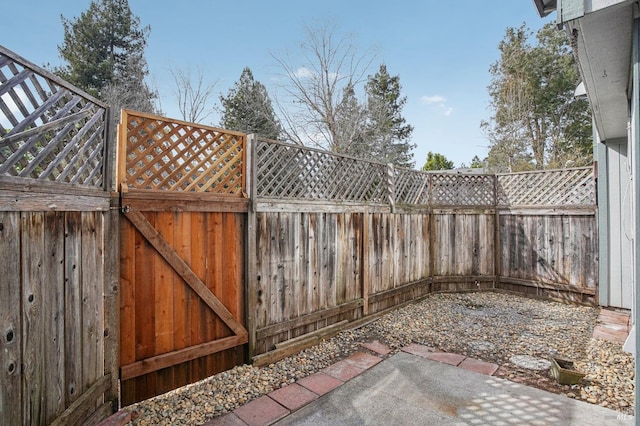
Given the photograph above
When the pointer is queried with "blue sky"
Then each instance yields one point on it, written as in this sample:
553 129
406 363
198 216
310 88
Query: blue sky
441 50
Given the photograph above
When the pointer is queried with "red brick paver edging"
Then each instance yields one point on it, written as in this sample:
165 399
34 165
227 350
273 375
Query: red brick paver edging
270 408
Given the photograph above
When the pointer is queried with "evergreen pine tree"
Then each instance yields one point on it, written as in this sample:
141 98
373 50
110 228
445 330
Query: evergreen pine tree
104 54
387 131
247 108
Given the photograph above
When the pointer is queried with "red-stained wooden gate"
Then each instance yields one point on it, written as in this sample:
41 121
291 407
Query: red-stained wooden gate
181 253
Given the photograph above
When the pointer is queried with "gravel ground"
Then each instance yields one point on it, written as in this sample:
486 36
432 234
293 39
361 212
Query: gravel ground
518 333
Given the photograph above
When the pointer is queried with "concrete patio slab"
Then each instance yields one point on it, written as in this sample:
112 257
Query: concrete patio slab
410 390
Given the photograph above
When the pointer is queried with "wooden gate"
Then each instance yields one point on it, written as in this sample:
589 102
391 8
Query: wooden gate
181 253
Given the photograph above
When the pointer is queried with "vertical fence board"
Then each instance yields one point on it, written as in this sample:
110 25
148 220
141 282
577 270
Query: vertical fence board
235 293
164 296
34 383
183 298
303 262
330 247
198 309
73 306
92 314
53 295
217 270
262 275
111 289
145 275
296 266
10 329
127 300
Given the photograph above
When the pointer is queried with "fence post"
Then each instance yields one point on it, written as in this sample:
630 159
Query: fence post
111 271
364 262
250 251
432 231
391 187
497 249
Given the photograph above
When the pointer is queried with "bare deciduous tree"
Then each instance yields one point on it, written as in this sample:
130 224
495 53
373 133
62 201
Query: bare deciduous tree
313 87
193 95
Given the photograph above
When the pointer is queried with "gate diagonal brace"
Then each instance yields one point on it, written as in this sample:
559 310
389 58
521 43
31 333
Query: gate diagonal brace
185 272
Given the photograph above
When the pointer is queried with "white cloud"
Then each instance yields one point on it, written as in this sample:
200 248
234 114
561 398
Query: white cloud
303 72
438 103
436 99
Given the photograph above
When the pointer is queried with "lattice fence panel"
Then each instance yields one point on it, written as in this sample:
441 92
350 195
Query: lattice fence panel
411 187
295 172
451 189
569 187
164 154
49 130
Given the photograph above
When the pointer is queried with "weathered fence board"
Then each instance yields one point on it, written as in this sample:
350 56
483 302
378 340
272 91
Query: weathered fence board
323 256
464 244
10 313
551 250
55 178
52 312
305 263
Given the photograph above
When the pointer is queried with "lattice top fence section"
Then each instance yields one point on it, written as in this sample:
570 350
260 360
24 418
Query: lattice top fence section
411 187
568 187
158 153
453 189
49 130
296 172
287 171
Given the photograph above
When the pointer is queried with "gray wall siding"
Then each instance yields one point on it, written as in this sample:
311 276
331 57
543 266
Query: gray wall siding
620 225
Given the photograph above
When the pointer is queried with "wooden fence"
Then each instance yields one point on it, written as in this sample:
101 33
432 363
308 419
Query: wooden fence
207 241
58 286
334 240
181 252
548 234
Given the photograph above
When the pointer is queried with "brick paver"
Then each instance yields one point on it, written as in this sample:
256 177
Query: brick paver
320 383
606 333
261 411
613 317
377 347
479 366
343 370
363 360
227 420
420 350
446 357
293 396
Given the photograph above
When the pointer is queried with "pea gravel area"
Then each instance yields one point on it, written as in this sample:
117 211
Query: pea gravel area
520 334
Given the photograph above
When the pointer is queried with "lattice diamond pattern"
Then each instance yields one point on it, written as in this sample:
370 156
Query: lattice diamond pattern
291 171
165 155
411 187
47 131
296 172
547 188
452 189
